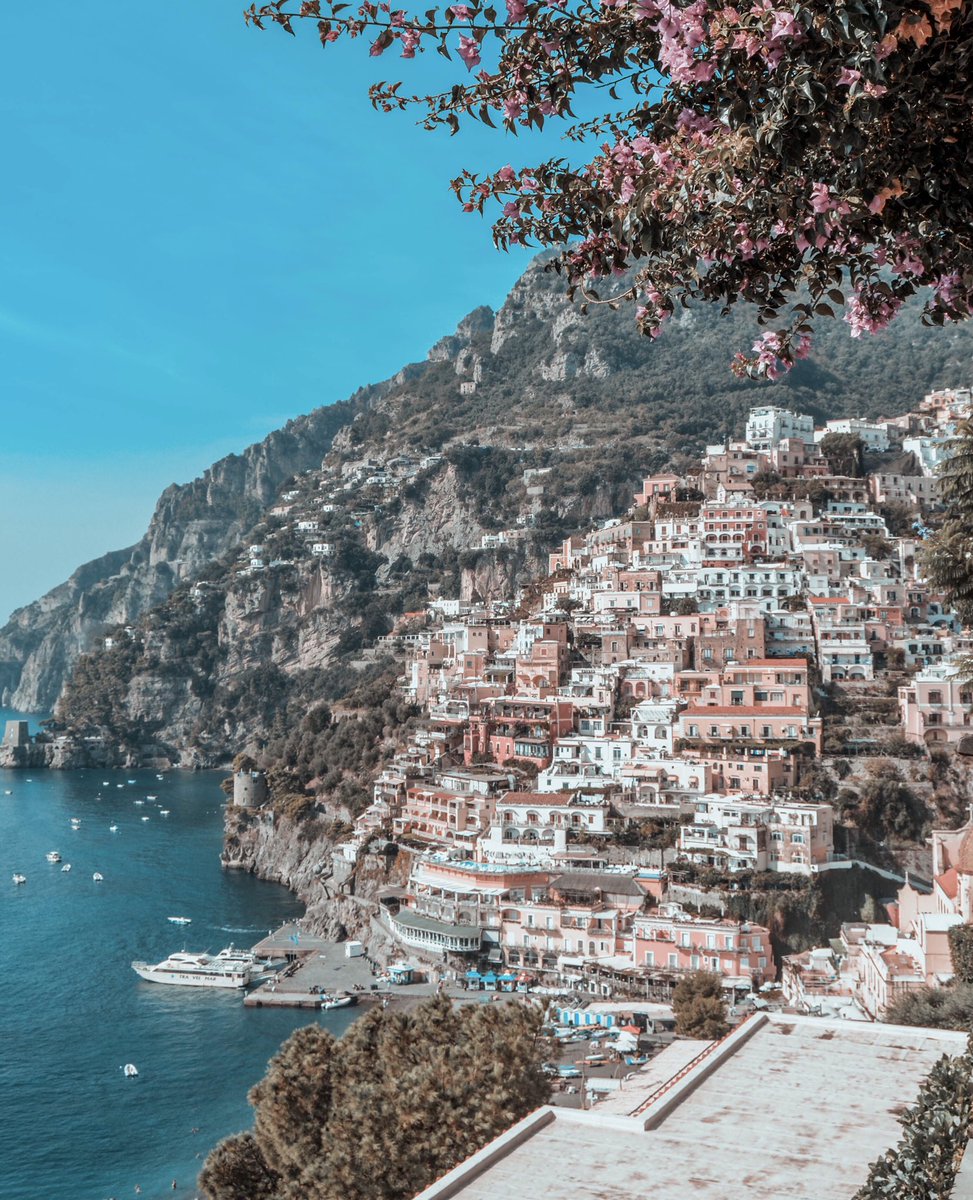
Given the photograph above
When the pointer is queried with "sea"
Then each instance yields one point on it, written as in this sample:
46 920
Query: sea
72 1010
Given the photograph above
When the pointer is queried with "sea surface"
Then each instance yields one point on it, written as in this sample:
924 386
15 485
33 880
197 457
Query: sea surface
72 1011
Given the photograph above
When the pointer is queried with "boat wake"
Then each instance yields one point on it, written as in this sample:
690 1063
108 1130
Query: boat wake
238 929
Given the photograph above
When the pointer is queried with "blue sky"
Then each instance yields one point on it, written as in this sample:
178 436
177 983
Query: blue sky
207 230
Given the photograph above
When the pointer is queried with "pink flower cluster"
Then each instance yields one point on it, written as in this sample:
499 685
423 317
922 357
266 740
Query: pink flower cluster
870 311
775 353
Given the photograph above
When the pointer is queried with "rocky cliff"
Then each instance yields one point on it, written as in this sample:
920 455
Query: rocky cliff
192 525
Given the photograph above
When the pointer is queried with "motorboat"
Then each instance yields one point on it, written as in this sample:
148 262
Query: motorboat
130 781
180 920
53 856
66 867
337 1001
113 829
19 878
98 877
138 801
7 792
148 797
164 812
146 818
75 822
130 1070
228 969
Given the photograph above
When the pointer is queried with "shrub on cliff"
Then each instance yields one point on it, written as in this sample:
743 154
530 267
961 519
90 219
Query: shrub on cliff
400 1100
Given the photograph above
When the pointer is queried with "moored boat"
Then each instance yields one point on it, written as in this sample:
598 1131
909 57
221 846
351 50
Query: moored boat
344 1001
228 969
18 878
98 877
66 867
53 856
180 920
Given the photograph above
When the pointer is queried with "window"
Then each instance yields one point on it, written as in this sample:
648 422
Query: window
649 958
673 960
745 963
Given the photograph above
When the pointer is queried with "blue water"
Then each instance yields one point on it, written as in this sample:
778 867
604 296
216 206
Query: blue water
72 1011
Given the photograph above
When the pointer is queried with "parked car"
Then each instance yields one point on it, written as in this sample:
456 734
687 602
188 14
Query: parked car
569 1072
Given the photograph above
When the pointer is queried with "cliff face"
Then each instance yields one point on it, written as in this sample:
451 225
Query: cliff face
193 524
340 896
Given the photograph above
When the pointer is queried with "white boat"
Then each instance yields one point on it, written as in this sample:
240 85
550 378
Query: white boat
138 801
164 812
228 969
180 920
19 878
337 1001
148 797
75 822
98 877
8 792
146 818
160 776
113 829
130 1070
66 867
121 785
53 856
131 781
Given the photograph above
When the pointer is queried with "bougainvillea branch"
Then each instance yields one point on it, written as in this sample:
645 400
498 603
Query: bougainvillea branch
805 158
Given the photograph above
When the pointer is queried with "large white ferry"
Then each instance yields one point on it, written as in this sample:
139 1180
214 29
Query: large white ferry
228 969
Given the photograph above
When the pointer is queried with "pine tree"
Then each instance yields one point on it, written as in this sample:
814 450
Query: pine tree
396 1103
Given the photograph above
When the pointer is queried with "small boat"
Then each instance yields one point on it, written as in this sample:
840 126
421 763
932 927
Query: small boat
105 783
180 920
164 812
152 797
130 781
66 867
75 822
146 818
98 877
138 802
160 777
113 829
53 856
130 1070
327 1001
8 792
120 785
19 878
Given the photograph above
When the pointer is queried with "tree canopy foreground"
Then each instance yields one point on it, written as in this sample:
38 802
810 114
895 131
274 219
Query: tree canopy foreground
810 158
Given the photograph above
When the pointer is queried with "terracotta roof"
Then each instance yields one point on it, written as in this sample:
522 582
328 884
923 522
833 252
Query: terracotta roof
545 799
964 858
949 882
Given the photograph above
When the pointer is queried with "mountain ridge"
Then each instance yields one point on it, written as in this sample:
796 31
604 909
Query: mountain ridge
583 396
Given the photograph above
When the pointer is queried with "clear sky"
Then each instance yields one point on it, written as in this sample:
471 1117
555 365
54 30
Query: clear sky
206 231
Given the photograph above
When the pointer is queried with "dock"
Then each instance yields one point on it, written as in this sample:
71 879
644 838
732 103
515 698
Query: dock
314 966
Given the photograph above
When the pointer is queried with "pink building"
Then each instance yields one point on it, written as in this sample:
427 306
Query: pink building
935 706
748 723
670 939
518 727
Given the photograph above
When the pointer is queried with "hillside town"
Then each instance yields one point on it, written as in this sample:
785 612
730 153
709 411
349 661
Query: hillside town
596 763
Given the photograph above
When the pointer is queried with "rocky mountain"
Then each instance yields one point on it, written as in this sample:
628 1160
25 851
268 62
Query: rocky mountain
260 586
192 524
